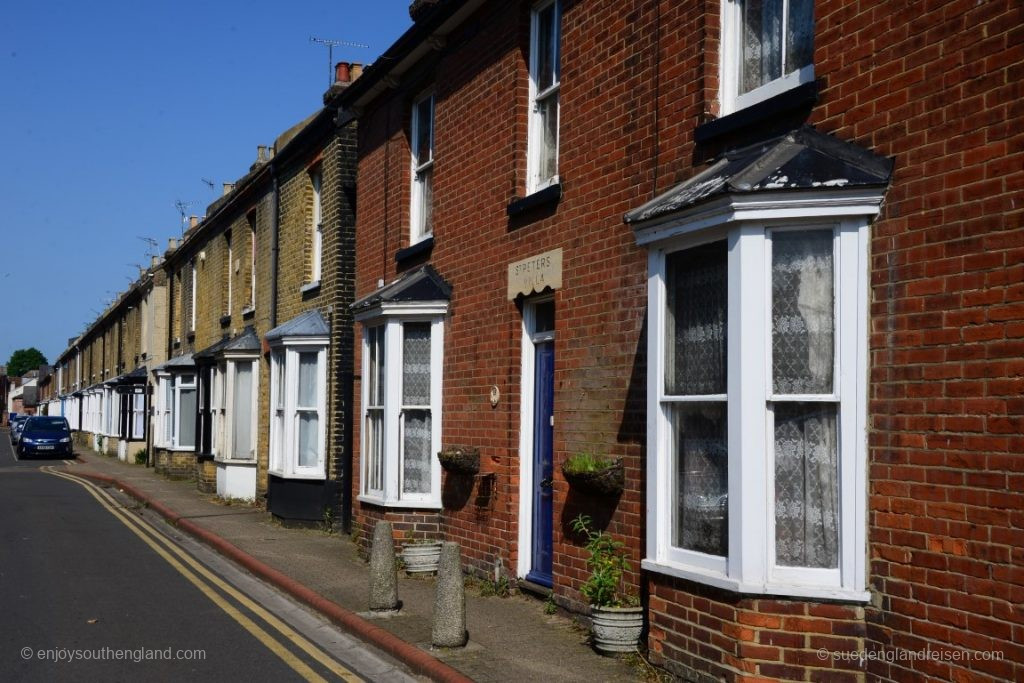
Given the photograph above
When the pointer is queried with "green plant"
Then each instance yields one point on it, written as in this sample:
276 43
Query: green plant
549 605
499 588
140 456
607 563
579 463
99 443
328 522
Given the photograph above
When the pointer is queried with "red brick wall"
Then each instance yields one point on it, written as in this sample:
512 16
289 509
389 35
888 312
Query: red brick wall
600 317
936 86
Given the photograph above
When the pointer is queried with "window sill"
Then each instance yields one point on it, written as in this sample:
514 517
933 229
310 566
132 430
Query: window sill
311 287
549 195
803 95
719 581
320 476
424 246
234 461
408 505
178 449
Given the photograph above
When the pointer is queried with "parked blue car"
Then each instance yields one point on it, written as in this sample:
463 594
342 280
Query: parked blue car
17 423
47 436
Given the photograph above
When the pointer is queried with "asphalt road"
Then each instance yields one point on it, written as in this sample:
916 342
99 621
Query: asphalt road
79 584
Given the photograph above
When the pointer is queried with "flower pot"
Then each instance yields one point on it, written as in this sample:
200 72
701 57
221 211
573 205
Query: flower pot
421 558
616 630
460 459
607 482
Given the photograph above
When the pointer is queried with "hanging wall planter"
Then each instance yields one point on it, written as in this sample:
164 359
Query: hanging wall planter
594 475
460 459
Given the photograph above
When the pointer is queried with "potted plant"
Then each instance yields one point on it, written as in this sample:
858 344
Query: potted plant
420 555
617 619
594 474
460 459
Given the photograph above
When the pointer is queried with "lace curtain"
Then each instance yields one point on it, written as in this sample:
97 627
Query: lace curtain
416 392
702 482
806 485
806 467
306 407
696 366
765 31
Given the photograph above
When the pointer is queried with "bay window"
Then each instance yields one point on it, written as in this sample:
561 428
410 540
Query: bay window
298 407
757 388
402 356
767 48
176 410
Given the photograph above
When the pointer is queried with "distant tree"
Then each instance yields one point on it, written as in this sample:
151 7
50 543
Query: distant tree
24 360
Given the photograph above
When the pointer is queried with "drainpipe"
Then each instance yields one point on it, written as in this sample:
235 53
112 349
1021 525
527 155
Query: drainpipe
274 225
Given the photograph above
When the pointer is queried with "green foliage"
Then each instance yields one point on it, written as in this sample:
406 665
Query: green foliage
24 360
140 456
550 607
607 563
580 463
328 522
499 588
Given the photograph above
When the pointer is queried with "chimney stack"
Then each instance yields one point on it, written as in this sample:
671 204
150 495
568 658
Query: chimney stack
228 187
261 152
357 70
193 221
154 261
342 73
172 244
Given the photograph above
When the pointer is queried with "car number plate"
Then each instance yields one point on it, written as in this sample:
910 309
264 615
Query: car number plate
45 448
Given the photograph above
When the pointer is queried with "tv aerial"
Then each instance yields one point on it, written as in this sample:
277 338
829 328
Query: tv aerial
152 243
183 207
210 183
331 44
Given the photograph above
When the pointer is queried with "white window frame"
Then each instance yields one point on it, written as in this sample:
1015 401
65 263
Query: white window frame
746 222
731 47
172 410
137 426
421 168
224 412
284 436
231 267
192 308
392 317
317 177
252 266
534 182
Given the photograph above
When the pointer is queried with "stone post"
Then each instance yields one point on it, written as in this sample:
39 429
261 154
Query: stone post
383 575
449 629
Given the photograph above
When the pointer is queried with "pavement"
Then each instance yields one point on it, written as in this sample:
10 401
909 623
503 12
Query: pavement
510 638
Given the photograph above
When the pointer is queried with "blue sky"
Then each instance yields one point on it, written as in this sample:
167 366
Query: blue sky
113 111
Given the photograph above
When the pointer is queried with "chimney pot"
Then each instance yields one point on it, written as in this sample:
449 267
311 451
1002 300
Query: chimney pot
193 221
228 187
357 70
154 262
342 72
261 152
172 244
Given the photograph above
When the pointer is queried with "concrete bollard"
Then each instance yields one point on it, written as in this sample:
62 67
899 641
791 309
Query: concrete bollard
449 629
383 575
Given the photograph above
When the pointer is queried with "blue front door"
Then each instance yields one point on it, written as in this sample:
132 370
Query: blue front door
543 415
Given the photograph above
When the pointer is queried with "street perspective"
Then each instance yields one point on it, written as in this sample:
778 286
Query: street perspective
513 340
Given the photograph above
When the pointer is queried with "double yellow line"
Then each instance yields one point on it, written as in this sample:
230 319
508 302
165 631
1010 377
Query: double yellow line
196 575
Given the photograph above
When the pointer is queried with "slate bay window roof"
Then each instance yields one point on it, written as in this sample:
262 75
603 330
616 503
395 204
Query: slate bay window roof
801 160
308 324
136 376
420 285
245 342
177 363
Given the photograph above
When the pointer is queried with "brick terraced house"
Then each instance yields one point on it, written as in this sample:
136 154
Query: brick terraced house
101 380
253 398
767 254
